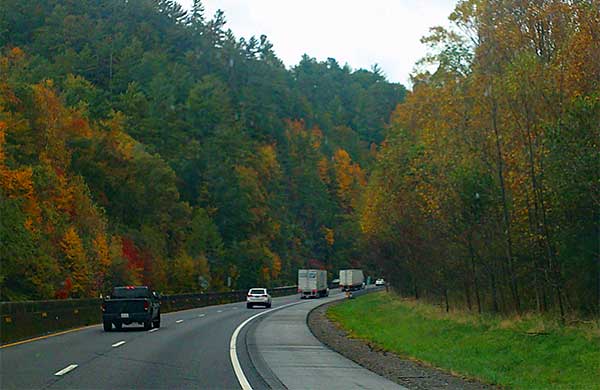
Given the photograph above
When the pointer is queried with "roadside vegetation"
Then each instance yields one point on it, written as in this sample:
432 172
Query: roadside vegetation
521 352
485 192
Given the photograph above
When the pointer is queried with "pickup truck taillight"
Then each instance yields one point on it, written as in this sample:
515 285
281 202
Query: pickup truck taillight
103 307
146 305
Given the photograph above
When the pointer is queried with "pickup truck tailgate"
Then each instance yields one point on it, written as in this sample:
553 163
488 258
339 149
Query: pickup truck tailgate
125 306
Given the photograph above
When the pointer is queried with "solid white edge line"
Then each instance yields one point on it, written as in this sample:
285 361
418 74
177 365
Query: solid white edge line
70 367
237 367
118 344
178 321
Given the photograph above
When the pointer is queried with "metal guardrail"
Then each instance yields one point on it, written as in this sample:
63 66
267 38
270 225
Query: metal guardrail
26 319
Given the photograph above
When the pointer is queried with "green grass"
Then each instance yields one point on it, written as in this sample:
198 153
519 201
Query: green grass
521 353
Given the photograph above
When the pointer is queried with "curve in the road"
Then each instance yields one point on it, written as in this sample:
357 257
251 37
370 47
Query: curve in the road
235 362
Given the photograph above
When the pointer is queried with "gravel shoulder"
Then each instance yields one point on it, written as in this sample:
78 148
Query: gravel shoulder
409 373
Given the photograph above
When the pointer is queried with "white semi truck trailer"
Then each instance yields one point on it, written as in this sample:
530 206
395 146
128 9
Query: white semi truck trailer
312 283
351 279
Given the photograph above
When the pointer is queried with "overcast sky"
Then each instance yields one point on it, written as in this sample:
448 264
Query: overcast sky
358 32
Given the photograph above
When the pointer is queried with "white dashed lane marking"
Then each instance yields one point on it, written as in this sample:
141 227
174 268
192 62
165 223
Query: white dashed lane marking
179 321
118 344
68 368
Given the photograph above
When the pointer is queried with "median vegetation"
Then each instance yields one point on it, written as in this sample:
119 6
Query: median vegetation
524 352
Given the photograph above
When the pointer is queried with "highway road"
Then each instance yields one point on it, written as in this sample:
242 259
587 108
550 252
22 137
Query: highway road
204 348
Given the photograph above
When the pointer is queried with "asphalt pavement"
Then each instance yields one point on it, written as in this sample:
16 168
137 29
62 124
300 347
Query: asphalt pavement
293 358
190 350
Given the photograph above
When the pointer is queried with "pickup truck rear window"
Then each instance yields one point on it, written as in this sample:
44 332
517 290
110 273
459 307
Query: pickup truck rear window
130 292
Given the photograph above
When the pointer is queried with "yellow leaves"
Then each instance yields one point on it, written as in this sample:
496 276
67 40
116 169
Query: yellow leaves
349 177
295 128
184 274
72 247
328 235
76 262
323 167
266 161
317 136
271 264
102 252
18 184
266 273
343 171
276 266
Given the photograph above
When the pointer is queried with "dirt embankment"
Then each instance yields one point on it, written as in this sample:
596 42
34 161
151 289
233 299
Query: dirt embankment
405 372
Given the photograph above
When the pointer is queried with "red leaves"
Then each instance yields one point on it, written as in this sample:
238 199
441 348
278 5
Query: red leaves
132 254
65 291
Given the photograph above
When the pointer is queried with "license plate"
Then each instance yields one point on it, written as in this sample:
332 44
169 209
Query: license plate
124 315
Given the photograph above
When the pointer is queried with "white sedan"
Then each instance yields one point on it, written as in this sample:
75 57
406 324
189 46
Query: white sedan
380 282
258 296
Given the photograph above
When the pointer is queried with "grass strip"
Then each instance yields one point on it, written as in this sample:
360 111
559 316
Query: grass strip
528 352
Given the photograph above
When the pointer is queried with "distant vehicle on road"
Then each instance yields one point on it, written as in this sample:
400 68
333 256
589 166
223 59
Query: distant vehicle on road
131 304
258 296
335 283
380 282
352 279
312 283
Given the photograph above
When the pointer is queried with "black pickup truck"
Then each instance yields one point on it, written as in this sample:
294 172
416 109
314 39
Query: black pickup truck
130 304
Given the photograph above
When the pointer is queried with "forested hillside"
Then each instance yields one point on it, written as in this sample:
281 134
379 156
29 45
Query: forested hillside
144 144
486 193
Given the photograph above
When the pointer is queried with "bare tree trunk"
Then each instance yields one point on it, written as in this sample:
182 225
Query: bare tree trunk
468 295
474 275
494 291
506 217
446 299
598 281
538 301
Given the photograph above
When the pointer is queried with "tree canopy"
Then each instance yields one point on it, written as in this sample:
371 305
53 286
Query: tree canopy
142 143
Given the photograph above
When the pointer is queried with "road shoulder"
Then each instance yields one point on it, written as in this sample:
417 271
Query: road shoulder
405 372
297 360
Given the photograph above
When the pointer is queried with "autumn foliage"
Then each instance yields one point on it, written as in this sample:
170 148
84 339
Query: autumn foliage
485 193
147 144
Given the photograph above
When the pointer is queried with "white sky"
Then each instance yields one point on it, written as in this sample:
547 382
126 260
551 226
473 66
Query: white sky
358 32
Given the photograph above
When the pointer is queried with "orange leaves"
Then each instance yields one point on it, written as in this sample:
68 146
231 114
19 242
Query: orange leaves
329 235
317 136
349 178
102 252
265 273
16 54
275 266
323 167
344 173
18 184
